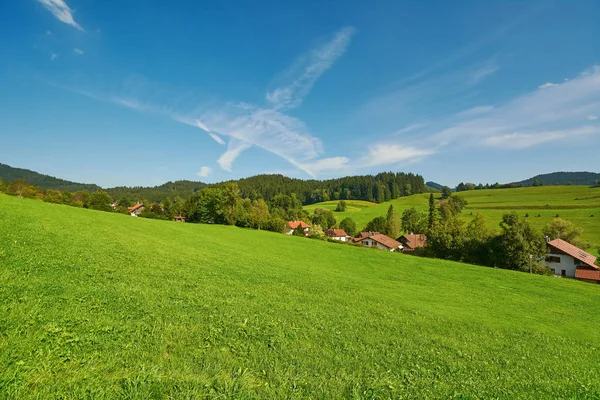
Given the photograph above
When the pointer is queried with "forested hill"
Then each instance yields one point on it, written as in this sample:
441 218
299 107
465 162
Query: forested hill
376 188
563 178
42 181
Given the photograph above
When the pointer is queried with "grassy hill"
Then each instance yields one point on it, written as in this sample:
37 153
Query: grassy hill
574 203
101 305
11 174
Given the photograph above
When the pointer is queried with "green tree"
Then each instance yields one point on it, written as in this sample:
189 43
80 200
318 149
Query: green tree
413 221
446 192
210 207
53 196
341 206
446 239
81 199
431 211
324 217
3 185
565 230
17 188
100 200
260 214
457 203
518 245
477 241
393 222
349 226
377 224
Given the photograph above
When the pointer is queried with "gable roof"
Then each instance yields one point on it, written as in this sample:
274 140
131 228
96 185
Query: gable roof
138 205
336 232
295 224
574 252
384 240
413 240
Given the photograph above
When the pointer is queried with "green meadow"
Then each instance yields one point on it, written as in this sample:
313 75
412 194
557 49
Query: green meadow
578 204
99 305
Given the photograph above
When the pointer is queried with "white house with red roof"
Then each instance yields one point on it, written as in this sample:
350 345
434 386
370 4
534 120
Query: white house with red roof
338 234
292 225
380 241
569 261
136 210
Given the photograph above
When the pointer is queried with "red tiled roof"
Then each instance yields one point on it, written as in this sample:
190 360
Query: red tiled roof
295 224
574 252
384 240
413 240
131 209
336 232
591 274
363 235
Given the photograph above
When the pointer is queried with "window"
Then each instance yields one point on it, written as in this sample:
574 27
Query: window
563 272
553 259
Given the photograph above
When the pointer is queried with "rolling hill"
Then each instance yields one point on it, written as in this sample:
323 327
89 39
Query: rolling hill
578 204
102 305
564 178
11 174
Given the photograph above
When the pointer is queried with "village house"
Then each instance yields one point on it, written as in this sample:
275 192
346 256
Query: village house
413 243
363 235
337 234
381 242
569 261
179 218
292 225
136 210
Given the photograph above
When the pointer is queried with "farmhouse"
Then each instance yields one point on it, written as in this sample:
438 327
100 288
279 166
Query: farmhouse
363 235
381 242
337 234
292 225
179 218
412 242
136 210
569 261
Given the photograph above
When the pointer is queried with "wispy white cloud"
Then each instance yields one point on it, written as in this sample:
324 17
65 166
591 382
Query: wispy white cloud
61 11
48 33
592 117
234 148
298 80
217 138
53 56
78 51
392 153
204 171
550 113
327 165
482 73
548 85
478 110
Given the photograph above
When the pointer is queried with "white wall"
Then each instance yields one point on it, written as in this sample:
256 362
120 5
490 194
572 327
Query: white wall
566 263
373 243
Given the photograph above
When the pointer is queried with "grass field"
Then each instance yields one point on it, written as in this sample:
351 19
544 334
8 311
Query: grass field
574 203
101 305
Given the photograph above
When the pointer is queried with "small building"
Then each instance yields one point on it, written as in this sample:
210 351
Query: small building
413 242
569 261
292 225
136 210
179 218
363 235
337 234
114 205
381 242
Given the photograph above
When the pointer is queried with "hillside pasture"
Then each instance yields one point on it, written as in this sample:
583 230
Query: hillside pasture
102 305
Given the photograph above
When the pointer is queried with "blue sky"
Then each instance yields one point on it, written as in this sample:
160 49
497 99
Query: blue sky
139 93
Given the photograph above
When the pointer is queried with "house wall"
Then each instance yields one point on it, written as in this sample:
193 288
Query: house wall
340 238
373 243
567 263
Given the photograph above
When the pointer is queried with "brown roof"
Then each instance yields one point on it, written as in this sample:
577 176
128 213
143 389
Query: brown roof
413 240
574 252
295 224
336 232
591 274
131 209
384 240
364 235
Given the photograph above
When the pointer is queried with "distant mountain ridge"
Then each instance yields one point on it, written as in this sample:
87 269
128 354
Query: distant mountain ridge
11 174
434 185
563 178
